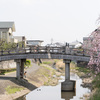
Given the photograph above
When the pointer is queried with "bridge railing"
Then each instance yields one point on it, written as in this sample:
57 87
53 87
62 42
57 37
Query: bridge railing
76 51
45 49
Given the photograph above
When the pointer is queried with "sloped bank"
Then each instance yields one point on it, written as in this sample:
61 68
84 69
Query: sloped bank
44 75
89 80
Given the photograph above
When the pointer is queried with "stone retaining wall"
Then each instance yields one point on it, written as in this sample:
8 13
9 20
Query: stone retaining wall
7 64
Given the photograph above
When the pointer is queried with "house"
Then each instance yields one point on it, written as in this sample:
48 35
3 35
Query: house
20 39
34 42
87 40
6 31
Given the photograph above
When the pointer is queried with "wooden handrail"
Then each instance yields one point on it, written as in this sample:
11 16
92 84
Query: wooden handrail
44 49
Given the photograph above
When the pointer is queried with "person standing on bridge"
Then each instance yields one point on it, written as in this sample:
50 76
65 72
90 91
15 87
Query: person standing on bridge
17 47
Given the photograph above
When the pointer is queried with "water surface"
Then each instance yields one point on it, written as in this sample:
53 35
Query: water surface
54 92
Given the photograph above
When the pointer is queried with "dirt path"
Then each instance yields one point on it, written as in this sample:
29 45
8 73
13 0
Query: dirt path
34 67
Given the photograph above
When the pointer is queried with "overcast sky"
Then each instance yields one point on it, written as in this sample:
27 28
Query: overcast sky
60 20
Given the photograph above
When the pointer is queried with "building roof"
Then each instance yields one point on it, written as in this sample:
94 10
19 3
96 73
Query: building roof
8 25
35 41
75 43
18 36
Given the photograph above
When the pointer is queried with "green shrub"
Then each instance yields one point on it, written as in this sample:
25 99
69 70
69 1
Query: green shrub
28 63
3 71
96 96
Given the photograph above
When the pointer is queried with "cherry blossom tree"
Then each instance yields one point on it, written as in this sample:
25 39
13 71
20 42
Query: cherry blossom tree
92 46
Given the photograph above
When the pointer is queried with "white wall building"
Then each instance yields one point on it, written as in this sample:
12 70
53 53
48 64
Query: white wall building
20 39
6 31
34 42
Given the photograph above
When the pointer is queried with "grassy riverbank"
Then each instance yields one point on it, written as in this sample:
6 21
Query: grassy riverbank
96 88
47 74
89 79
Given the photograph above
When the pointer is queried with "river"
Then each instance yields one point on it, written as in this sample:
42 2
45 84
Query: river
54 92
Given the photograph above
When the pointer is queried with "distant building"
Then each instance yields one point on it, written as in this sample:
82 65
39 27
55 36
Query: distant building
20 39
57 44
34 42
6 31
87 40
75 44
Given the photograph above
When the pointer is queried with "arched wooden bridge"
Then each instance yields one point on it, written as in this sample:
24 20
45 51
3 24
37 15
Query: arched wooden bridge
43 52
19 55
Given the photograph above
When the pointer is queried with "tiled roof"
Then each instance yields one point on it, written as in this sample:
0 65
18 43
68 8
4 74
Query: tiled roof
7 25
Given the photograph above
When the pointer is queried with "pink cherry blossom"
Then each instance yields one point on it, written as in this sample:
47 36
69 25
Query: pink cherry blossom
92 46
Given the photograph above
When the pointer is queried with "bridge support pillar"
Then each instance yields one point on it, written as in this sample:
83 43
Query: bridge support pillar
68 85
20 68
18 63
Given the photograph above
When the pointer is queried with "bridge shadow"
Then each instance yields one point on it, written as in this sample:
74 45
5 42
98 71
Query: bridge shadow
6 78
21 82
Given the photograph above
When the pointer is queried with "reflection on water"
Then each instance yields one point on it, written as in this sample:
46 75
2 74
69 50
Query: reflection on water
67 95
54 92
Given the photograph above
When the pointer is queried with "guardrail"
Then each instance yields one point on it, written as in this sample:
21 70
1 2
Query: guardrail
45 49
